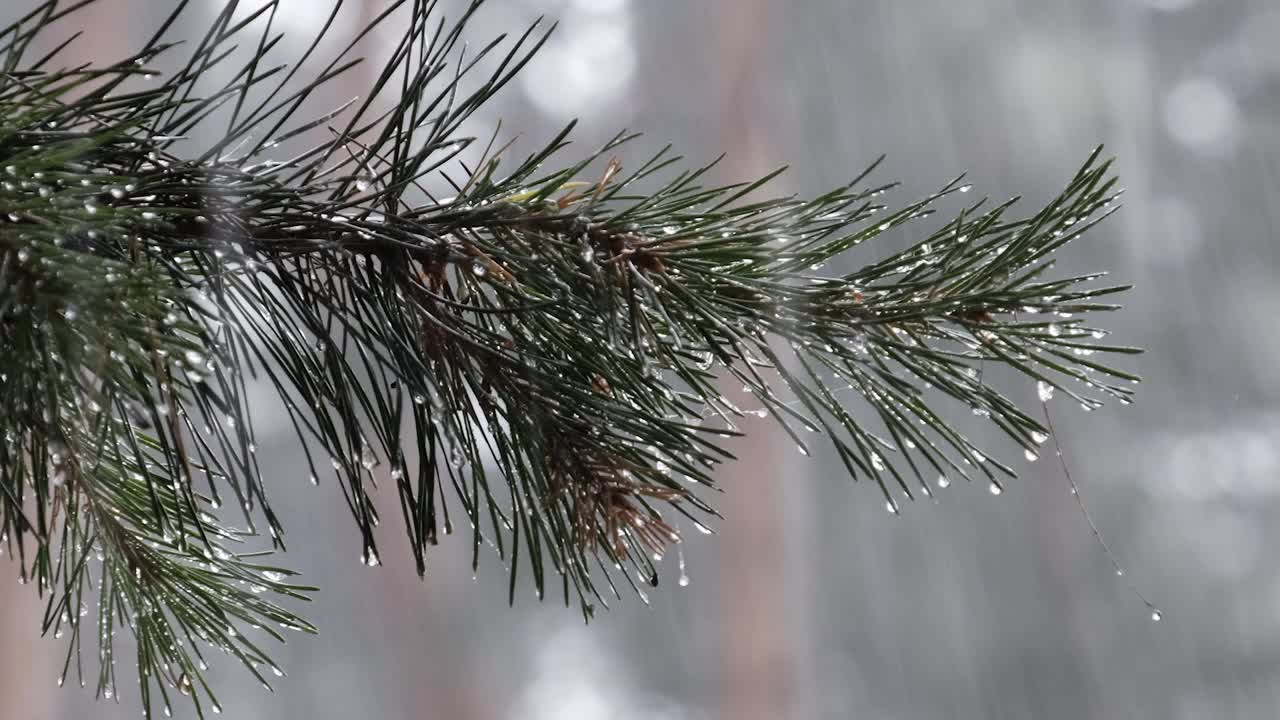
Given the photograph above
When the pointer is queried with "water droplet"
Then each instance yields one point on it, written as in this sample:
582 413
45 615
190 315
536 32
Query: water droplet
965 188
994 488
362 183
684 577
1030 455
479 270
702 528
1156 616
891 506
1054 329
802 450
877 462
588 254
1044 390
943 482
1039 437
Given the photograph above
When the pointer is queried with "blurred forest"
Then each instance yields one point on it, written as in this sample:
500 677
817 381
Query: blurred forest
811 601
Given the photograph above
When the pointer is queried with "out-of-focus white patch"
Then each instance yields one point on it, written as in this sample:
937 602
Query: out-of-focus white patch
586 64
600 6
1202 114
300 20
576 679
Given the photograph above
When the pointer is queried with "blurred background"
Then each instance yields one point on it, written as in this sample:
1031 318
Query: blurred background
811 601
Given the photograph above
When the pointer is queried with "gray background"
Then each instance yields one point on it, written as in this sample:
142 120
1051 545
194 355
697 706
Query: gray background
812 601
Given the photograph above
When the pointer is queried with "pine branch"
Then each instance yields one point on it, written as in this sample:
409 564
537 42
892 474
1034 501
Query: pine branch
542 355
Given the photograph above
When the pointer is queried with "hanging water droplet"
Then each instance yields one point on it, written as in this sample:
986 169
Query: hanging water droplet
1030 455
702 528
943 482
479 270
362 183
965 188
891 506
994 488
1156 616
1039 437
1054 329
456 457
1044 390
877 462
802 450
684 577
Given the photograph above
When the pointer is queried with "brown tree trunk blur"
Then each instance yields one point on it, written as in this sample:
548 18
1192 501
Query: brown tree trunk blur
757 671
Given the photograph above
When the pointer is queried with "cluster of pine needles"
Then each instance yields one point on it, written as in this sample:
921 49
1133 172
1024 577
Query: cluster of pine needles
538 362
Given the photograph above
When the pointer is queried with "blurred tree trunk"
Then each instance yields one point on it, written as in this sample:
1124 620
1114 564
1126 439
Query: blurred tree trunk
757 671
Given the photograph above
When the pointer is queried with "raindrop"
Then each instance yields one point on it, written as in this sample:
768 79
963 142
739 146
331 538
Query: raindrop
1156 616
456 457
1044 390
684 577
